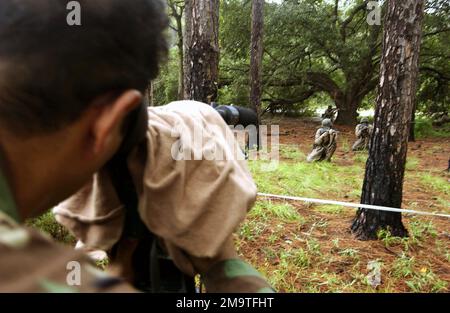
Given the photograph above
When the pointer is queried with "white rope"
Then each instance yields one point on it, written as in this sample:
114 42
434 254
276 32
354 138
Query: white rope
353 205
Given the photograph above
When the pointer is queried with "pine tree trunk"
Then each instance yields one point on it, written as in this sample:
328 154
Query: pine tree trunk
348 108
383 182
180 46
256 54
201 50
176 12
412 133
149 94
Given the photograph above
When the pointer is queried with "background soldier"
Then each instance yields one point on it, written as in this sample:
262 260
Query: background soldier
363 131
324 144
330 113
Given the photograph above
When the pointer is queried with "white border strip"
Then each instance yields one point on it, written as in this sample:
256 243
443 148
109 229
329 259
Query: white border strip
353 205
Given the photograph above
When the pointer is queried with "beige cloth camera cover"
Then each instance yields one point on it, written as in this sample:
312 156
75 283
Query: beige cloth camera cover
193 205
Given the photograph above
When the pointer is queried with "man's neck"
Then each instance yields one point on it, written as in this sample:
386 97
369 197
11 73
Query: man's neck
28 176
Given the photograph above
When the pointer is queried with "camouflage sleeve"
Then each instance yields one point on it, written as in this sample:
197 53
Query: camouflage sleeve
31 262
235 276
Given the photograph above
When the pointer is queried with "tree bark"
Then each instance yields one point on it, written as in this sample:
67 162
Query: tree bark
176 12
383 181
412 133
180 45
149 94
348 107
256 55
201 50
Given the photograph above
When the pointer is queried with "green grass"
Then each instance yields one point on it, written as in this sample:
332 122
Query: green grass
435 183
411 163
302 258
403 267
251 230
265 210
420 229
47 224
426 281
350 252
308 180
360 157
345 146
291 152
331 209
313 247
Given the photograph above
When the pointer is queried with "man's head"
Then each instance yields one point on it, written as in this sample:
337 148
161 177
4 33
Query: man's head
364 120
65 91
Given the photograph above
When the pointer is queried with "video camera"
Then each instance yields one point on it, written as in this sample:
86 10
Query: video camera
154 270
236 115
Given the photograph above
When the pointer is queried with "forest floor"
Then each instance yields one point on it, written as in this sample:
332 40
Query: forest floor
304 247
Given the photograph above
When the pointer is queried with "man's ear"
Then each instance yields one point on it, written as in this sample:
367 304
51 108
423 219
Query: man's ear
107 127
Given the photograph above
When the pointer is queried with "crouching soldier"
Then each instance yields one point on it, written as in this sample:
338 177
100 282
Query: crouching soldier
363 131
83 129
324 143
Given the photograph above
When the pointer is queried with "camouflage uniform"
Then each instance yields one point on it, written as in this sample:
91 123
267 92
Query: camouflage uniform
235 276
31 262
324 144
329 113
363 132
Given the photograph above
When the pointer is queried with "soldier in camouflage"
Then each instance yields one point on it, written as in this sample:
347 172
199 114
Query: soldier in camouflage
330 113
363 131
59 130
324 144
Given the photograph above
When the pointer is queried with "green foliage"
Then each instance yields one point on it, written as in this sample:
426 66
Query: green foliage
301 37
424 128
434 93
166 85
47 224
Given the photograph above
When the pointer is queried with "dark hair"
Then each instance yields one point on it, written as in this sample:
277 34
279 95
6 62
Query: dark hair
50 71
